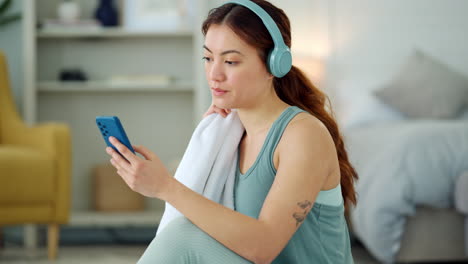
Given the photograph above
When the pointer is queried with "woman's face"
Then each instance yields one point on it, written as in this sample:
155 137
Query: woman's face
235 73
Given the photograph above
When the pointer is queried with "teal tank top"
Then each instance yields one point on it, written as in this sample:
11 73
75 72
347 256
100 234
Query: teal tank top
323 236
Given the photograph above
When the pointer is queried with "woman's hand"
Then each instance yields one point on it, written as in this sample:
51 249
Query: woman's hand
146 176
214 109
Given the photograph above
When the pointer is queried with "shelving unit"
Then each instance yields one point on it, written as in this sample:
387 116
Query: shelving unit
160 116
105 87
110 33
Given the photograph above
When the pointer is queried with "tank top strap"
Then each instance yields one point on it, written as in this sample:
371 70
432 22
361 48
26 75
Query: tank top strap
278 127
331 197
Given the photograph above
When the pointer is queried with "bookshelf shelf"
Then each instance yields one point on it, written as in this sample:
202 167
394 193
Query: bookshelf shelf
104 87
109 33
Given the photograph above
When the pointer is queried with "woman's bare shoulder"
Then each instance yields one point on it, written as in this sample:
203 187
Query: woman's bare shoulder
305 124
307 130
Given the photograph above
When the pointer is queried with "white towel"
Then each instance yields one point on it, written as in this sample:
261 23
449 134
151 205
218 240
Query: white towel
208 166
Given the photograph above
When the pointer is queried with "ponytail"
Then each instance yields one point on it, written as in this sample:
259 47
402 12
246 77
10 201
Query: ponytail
296 89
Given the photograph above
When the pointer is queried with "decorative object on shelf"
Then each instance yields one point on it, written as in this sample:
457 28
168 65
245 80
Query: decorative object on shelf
68 11
57 25
7 18
106 13
72 75
162 15
110 192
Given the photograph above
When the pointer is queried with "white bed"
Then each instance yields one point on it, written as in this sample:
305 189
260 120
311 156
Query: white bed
371 42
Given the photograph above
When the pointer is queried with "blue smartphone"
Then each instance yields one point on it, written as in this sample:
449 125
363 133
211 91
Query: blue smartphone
111 126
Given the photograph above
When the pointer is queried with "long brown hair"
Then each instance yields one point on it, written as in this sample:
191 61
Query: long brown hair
294 88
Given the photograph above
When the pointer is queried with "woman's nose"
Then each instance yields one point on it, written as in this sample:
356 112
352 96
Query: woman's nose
216 73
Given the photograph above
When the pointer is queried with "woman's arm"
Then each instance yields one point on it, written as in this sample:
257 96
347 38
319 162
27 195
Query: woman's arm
305 158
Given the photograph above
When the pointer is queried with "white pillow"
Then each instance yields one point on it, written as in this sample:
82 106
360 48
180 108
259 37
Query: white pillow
366 109
425 87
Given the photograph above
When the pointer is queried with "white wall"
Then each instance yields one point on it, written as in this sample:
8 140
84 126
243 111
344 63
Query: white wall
364 42
375 36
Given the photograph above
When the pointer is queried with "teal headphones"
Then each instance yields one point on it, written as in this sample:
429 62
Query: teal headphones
279 60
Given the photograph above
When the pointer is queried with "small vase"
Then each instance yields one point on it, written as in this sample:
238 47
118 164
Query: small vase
106 13
68 11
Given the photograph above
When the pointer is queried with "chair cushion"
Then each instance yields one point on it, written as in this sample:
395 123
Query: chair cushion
26 175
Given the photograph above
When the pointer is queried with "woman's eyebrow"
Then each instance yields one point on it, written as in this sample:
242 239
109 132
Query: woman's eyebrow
224 52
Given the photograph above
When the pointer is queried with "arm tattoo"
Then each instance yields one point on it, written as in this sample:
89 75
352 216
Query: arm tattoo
305 206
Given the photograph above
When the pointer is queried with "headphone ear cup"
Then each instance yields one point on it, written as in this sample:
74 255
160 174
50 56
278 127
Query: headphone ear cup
279 61
270 62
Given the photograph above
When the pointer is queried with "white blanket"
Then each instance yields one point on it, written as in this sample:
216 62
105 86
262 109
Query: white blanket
209 164
402 165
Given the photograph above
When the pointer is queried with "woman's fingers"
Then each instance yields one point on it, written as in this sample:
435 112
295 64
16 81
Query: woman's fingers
145 152
208 112
214 109
118 161
221 111
126 153
226 112
121 171
211 110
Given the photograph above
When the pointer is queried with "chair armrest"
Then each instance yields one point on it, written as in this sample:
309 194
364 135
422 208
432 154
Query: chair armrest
40 137
55 140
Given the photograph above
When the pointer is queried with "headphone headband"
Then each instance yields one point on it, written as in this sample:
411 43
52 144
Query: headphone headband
269 23
279 60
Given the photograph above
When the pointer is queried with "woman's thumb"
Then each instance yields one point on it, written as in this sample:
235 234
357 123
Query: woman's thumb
147 154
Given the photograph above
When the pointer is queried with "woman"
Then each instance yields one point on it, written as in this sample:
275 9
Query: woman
293 178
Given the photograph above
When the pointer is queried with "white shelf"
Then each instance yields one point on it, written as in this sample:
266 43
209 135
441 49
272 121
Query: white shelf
109 33
115 219
103 86
107 53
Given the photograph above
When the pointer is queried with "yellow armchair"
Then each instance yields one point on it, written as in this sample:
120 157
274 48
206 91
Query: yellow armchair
35 169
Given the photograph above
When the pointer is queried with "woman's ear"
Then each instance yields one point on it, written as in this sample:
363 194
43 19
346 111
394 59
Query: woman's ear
270 76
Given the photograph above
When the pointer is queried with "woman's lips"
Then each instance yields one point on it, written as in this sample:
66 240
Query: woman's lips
218 92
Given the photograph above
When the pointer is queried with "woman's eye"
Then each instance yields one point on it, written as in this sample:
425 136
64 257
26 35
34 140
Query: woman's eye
208 59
